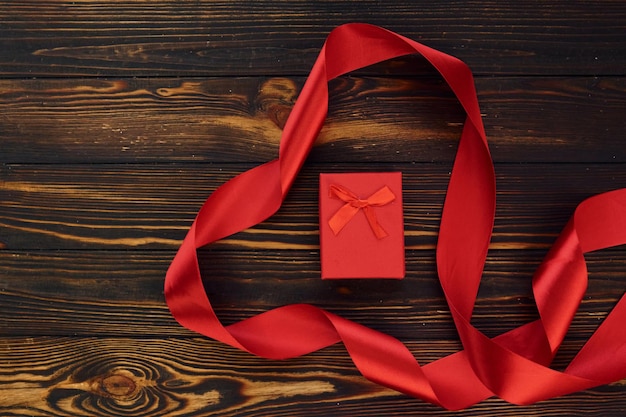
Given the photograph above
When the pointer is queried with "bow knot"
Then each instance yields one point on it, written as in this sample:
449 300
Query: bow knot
353 204
359 203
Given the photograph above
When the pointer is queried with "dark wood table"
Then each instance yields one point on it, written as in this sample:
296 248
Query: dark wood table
117 120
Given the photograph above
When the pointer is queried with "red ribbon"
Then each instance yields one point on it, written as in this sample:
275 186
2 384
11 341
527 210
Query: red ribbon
353 204
513 365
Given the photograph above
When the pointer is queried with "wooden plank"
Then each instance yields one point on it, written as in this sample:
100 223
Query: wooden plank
538 119
122 376
120 293
117 120
157 38
146 206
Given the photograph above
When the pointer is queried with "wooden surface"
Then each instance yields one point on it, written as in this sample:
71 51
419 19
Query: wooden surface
117 120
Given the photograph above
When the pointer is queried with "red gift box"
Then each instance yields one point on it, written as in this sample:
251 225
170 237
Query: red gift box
361 225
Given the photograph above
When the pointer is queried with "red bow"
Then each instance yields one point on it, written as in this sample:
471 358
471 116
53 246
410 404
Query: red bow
353 204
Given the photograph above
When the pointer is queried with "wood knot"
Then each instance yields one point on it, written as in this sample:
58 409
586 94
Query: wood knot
118 385
276 98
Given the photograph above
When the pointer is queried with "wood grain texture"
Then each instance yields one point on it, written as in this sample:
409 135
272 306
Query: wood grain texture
534 119
118 119
115 293
225 38
61 376
145 206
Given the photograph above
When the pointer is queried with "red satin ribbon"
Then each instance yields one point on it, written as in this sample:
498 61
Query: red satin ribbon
514 365
353 204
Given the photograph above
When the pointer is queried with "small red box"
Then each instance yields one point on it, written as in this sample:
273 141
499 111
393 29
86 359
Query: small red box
361 225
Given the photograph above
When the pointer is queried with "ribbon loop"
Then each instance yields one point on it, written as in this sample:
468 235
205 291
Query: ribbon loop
353 204
513 365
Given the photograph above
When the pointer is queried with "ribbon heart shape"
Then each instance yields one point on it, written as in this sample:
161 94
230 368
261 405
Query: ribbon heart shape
513 365
353 204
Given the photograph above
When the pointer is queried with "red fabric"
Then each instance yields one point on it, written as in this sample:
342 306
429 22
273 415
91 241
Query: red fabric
514 365
361 225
